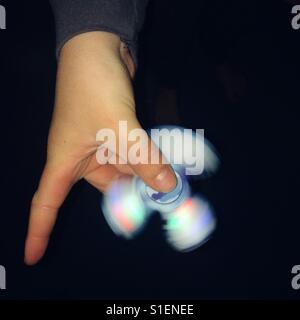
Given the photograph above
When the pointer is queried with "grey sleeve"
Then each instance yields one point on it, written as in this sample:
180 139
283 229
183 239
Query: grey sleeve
122 17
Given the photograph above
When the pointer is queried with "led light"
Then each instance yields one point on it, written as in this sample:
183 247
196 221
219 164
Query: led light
188 221
189 226
123 208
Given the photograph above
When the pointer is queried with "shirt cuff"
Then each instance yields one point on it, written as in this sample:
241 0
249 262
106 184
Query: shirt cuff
121 17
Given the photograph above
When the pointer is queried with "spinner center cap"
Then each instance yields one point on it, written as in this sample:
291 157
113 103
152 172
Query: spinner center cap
166 198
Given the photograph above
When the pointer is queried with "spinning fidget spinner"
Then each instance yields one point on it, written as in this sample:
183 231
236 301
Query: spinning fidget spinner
188 218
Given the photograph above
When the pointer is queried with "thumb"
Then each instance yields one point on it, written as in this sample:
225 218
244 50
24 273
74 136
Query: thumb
147 161
53 188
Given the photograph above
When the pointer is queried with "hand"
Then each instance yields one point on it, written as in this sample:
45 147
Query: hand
93 91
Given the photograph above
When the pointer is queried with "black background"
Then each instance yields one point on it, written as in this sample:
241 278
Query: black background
255 193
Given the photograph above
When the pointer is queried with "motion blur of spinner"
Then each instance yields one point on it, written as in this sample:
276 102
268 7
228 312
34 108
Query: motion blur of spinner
189 219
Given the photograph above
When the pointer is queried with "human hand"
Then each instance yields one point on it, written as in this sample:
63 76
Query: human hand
94 91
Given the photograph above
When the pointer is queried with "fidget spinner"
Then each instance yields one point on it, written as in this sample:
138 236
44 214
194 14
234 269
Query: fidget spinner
188 218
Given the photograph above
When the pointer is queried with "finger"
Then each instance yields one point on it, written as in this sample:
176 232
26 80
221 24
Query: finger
153 170
54 186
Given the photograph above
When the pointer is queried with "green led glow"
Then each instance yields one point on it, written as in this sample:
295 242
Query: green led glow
182 217
135 210
177 222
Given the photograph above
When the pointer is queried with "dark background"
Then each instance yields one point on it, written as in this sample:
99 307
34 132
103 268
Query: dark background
230 67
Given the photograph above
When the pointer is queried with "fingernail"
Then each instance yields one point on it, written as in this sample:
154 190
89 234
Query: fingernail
166 181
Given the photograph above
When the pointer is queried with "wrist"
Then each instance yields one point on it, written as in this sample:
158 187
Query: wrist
95 45
92 43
